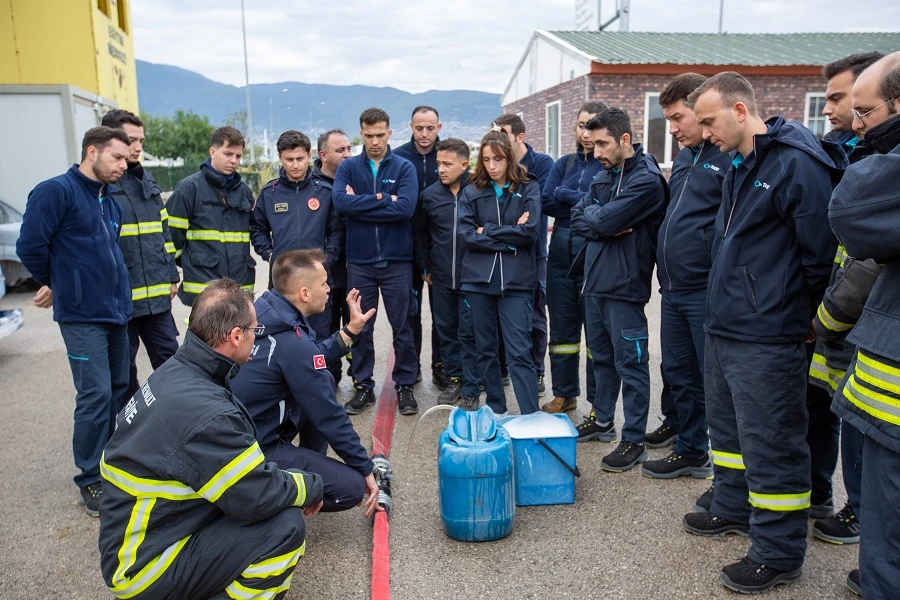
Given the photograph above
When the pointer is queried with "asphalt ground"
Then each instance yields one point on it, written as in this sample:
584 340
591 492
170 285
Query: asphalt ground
622 538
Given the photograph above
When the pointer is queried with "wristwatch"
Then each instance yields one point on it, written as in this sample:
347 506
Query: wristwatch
349 333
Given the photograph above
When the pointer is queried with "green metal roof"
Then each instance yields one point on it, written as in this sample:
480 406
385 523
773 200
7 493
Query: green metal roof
748 49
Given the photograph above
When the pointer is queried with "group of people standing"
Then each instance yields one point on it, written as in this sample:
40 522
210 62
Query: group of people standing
758 298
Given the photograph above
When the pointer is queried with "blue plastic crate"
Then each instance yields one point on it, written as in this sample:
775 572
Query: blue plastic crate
540 477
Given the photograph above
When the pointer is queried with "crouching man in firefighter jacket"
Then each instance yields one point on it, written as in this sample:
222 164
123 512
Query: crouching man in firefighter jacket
190 508
288 389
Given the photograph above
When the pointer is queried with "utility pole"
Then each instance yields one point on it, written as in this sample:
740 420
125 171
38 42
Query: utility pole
247 81
721 13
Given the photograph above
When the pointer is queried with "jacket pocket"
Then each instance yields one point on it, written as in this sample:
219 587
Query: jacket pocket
634 346
708 234
751 293
205 259
79 295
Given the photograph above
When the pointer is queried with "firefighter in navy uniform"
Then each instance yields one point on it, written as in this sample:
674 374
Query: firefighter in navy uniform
148 251
865 215
191 508
209 219
288 391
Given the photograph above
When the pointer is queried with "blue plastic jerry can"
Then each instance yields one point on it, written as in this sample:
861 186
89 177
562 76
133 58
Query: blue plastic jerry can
475 477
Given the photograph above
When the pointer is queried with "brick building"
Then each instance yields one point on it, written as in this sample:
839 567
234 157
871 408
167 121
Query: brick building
562 69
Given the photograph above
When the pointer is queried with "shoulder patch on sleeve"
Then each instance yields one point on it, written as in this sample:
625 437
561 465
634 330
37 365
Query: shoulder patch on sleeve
319 361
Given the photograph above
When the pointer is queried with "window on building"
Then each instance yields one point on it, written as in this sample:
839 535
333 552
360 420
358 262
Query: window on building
813 117
657 140
553 139
123 15
103 5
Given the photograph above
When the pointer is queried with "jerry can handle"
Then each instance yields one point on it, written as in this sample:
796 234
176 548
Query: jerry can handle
574 471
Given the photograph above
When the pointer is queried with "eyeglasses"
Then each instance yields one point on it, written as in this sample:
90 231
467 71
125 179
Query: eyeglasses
860 115
258 330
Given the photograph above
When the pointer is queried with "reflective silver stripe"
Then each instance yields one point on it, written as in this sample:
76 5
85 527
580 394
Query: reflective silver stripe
231 473
141 487
564 348
275 566
878 405
150 573
830 322
179 223
241 592
211 235
881 375
780 502
729 460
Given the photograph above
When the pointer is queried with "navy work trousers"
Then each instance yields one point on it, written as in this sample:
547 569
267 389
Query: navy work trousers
566 309
98 357
682 339
453 321
160 337
617 337
395 283
756 408
340 316
416 320
539 317
879 535
231 559
852 443
515 312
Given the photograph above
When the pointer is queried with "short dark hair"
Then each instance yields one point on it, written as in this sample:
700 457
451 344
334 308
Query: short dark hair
889 87
227 134
373 116
290 140
100 137
615 120
287 265
322 142
220 307
454 145
592 107
732 87
514 122
679 88
424 109
855 63
118 117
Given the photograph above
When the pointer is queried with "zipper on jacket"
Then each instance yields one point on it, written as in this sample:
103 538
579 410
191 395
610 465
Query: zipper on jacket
615 190
674 210
112 256
375 191
500 254
453 254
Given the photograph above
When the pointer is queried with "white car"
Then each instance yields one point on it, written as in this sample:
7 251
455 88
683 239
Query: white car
11 270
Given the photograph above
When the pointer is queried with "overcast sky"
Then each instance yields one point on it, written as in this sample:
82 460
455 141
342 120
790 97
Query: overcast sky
422 45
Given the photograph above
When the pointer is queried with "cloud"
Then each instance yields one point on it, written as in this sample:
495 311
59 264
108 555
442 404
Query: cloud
417 46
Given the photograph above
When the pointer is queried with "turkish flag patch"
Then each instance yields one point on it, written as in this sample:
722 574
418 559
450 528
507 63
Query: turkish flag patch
319 361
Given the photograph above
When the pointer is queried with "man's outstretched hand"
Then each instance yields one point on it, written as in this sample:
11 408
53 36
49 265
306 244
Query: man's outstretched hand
357 318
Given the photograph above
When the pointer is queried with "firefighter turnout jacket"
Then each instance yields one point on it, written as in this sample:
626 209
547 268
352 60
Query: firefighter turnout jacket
209 219
183 455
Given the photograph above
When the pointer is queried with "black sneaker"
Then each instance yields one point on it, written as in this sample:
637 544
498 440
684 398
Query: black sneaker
362 397
469 403
590 430
406 400
541 387
91 495
661 437
853 582
624 458
750 577
676 465
842 528
439 376
453 392
704 502
506 380
708 524
822 511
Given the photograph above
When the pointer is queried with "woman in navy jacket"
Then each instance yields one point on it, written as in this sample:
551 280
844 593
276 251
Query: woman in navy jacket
498 220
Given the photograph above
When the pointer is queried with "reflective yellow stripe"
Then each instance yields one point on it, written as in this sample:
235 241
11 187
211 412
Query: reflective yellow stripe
193 287
272 567
301 488
231 473
728 460
141 228
179 223
564 348
878 373
170 248
830 322
820 370
163 214
840 256
589 355
150 573
177 253
780 502
242 592
880 406
151 291
141 487
211 235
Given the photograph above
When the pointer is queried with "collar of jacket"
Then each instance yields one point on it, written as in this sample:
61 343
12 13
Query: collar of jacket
528 160
94 187
791 133
317 167
386 157
432 152
283 178
217 367
218 180
885 136
638 157
463 182
583 155
287 312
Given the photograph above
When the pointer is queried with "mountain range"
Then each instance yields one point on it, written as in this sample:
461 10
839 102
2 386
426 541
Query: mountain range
309 107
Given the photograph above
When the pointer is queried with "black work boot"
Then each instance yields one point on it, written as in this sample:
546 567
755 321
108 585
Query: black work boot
709 525
362 398
453 392
439 376
625 457
675 465
750 577
406 400
661 437
841 528
590 430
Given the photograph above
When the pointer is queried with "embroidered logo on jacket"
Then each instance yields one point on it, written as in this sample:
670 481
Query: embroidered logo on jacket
319 361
